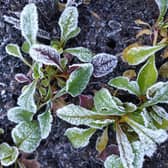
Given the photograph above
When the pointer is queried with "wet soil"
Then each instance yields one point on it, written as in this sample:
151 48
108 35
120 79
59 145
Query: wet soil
106 26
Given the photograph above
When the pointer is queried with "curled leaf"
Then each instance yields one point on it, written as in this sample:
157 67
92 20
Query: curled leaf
103 64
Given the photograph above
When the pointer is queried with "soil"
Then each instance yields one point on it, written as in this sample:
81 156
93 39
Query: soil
106 26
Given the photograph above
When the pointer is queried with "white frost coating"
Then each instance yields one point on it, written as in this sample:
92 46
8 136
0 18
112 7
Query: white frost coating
161 112
45 119
68 22
139 154
26 99
148 137
125 148
158 93
77 115
79 137
29 23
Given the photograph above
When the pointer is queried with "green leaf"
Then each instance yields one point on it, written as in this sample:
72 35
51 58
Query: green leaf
139 154
37 72
27 136
26 99
83 54
102 141
73 34
148 137
113 161
77 115
68 23
18 114
79 137
163 70
158 93
29 23
125 148
14 50
124 84
25 47
45 54
8 154
106 104
45 119
139 54
163 6
79 79
148 75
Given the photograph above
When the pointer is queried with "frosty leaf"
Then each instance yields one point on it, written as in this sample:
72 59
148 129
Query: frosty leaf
113 161
102 141
45 54
79 79
103 64
79 137
106 104
124 84
155 117
17 115
139 154
45 119
29 23
21 78
77 115
148 137
136 55
68 23
147 75
158 93
74 33
37 72
125 148
26 99
129 107
25 47
27 136
83 54
8 154
160 111
14 50
163 6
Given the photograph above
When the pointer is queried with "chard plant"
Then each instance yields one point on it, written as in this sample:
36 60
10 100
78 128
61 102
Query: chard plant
51 75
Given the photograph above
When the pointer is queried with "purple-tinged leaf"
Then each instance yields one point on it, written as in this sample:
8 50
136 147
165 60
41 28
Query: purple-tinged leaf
103 64
45 54
21 78
86 101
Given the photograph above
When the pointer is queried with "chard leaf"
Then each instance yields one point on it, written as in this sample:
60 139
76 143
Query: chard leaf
123 83
79 137
14 50
17 115
103 64
125 148
77 115
27 136
83 54
158 93
138 54
68 23
45 54
105 103
148 75
160 112
139 154
29 23
45 119
26 99
79 79
8 154
113 161
148 137
163 6
102 141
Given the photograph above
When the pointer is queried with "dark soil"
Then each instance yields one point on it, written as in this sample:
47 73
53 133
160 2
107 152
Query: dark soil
111 32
